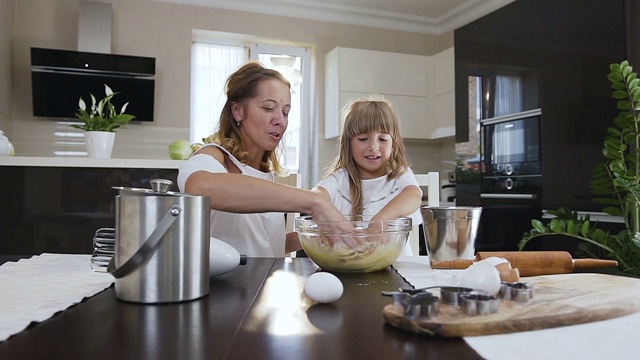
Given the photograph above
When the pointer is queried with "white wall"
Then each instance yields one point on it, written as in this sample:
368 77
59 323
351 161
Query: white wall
163 31
6 35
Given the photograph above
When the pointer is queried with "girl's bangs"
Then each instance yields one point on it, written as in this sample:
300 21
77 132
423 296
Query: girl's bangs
367 117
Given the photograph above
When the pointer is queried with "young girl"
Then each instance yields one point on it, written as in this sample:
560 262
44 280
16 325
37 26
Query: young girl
371 174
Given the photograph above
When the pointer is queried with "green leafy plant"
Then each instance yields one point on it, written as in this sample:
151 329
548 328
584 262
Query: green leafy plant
102 115
615 182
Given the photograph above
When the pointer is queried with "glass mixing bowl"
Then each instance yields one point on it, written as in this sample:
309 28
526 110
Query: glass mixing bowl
356 245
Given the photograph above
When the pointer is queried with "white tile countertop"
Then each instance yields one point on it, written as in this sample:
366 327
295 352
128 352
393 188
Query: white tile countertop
89 162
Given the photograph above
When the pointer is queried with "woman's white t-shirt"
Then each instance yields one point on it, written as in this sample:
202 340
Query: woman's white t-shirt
376 193
254 235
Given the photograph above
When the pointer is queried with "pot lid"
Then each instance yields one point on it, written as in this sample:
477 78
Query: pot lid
158 187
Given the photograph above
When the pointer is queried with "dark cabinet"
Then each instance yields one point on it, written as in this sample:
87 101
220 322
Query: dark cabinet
569 45
59 209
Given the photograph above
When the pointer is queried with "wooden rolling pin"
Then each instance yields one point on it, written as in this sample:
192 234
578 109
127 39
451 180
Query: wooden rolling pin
532 263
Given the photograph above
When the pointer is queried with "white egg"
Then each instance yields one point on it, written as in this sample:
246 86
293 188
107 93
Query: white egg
482 275
323 287
494 260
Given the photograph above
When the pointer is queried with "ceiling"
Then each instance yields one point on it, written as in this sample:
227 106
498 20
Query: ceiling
432 17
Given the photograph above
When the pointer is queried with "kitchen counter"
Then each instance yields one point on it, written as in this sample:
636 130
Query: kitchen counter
89 162
256 311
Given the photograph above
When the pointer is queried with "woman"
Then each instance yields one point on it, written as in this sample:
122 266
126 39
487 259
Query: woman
236 168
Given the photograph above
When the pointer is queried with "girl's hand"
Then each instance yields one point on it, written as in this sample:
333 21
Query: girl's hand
336 225
375 230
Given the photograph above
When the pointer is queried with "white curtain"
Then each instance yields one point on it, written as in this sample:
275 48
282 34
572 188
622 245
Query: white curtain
509 141
508 97
211 65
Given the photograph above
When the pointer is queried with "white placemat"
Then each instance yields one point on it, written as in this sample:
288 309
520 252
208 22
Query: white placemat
608 339
35 289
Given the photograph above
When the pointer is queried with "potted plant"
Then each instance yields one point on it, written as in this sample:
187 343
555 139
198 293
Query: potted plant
615 182
100 122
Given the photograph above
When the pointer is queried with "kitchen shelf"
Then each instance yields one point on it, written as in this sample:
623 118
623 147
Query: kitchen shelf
86 162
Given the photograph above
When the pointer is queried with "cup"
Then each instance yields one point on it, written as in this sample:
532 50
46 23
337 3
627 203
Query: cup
450 232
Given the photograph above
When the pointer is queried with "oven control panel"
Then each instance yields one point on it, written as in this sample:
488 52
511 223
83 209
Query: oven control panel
500 186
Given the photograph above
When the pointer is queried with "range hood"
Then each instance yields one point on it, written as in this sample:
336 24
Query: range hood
94 26
60 77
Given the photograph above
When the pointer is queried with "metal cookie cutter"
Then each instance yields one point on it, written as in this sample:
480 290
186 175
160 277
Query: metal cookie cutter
451 294
475 303
410 291
516 291
399 297
421 306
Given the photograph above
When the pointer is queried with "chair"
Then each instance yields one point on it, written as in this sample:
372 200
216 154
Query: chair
431 181
295 181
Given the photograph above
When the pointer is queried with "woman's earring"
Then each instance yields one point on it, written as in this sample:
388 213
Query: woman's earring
238 123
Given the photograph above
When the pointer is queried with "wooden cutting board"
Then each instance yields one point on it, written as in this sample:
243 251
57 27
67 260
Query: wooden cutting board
559 300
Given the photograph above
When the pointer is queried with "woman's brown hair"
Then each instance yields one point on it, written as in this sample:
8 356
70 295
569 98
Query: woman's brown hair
240 87
360 117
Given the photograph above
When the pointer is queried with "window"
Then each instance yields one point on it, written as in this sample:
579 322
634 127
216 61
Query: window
289 61
212 64
499 91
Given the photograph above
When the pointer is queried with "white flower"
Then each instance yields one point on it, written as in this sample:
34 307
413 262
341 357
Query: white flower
94 108
102 116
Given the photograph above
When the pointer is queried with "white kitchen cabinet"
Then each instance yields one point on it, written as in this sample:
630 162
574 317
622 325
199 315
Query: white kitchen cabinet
420 87
441 79
441 71
378 71
356 73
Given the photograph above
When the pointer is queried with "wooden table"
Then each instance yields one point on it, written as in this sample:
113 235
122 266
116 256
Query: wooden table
257 311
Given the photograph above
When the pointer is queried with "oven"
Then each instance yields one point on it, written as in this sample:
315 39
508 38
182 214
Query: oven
511 178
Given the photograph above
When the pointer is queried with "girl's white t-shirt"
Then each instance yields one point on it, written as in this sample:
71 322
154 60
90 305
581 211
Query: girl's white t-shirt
254 235
376 193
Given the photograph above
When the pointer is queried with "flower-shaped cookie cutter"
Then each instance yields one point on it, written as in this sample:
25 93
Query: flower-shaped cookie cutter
421 306
477 303
451 295
516 291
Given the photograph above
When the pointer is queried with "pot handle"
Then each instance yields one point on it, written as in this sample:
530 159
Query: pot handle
427 214
152 242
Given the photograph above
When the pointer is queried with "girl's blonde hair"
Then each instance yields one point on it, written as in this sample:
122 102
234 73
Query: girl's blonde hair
360 117
241 87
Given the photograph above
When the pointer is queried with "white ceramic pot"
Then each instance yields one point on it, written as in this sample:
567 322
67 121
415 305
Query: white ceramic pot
99 144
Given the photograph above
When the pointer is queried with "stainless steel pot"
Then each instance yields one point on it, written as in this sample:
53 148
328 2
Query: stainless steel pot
450 232
161 245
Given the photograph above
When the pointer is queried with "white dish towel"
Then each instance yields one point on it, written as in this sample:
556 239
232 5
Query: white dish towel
35 289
